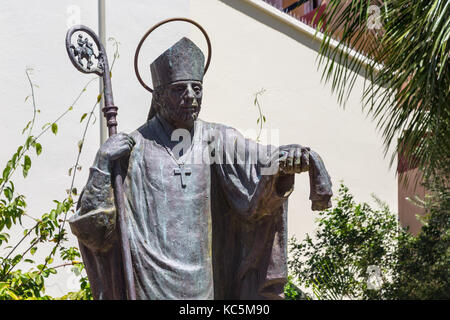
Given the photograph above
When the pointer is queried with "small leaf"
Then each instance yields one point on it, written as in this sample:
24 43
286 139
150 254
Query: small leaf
38 148
26 127
54 128
14 159
26 166
6 172
8 194
12 295
70 171
29 142
33 250
80 145
8 222
99 97
83 116
70 108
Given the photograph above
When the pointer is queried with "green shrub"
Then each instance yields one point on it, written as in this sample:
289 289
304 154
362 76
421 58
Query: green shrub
362 253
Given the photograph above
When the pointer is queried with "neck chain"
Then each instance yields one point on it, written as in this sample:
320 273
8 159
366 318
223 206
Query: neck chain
166 148
182 171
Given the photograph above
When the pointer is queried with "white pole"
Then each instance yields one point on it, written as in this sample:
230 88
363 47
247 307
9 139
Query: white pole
102 35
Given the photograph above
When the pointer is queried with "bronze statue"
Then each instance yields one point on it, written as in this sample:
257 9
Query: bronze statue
205 208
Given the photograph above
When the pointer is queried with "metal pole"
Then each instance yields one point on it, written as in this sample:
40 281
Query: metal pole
102 36
107 129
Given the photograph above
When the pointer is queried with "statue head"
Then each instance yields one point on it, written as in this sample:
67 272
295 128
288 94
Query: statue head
177 76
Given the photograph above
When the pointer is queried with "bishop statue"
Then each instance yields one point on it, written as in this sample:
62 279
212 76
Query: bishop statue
206 208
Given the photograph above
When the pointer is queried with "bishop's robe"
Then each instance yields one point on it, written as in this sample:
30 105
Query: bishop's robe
220 236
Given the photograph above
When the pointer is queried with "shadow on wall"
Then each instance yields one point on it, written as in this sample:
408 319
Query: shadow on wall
280 26
273 23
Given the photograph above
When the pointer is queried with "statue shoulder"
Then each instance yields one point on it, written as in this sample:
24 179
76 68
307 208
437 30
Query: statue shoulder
144 132
136 134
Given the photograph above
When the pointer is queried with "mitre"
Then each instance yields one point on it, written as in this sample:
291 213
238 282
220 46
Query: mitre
183 61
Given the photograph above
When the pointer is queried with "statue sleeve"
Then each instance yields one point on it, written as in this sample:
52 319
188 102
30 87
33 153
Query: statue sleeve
95 219
254 230
251 183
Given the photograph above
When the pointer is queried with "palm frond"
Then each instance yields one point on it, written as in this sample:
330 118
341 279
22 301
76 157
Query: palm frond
407 88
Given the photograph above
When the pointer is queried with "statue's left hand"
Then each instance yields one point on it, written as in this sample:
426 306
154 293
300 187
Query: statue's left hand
294 158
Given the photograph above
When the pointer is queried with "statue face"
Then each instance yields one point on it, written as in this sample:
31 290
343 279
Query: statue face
181 103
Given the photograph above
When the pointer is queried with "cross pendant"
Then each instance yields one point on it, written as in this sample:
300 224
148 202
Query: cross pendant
183 172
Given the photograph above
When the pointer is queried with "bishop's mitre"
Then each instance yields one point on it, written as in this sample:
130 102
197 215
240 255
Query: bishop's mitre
183 61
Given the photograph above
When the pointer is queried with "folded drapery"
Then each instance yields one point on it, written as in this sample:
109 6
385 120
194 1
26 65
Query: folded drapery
320 183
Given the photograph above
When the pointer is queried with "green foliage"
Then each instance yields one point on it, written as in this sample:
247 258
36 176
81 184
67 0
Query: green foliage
54 128
292 292
23 286
85 292
424 268
352 240
405 61
50 229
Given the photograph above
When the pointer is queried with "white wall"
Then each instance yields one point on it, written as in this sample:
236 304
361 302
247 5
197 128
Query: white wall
32 35
251 51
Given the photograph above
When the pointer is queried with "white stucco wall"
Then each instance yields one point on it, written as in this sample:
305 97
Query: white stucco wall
251 51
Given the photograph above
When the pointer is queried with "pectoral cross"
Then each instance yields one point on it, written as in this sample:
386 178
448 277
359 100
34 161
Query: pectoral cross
183 172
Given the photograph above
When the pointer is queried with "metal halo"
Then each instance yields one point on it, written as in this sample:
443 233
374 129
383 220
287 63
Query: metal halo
138 49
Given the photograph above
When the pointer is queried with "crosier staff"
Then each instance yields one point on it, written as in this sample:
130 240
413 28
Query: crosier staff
84 50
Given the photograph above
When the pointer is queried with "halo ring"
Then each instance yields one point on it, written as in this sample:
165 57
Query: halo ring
138 49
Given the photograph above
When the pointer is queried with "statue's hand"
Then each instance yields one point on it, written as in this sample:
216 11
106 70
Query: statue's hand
294 158
115 147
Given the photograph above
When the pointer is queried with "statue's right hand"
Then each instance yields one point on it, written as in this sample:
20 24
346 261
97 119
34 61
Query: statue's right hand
115 147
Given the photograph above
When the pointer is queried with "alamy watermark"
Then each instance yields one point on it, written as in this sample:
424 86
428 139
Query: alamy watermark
374 19
374 278
74 16
229 147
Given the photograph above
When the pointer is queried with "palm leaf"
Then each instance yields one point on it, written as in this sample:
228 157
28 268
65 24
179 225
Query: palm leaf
405 65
